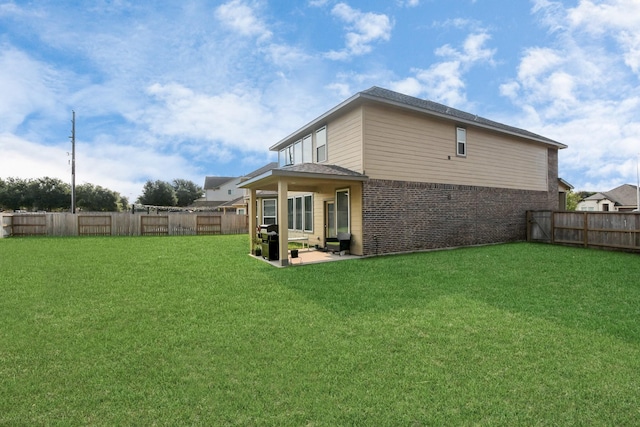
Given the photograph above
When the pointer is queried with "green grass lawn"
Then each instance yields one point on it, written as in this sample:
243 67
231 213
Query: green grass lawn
193 331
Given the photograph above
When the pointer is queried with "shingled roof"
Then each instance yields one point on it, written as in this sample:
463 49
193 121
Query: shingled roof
213 182
262 170
624 195
389 97
321 168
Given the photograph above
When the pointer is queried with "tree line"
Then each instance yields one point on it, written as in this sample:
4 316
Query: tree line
54 195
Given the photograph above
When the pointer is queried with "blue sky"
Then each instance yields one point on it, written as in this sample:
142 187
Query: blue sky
186 89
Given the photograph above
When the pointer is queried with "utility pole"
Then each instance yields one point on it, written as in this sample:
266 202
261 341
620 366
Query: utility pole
638 183
73 162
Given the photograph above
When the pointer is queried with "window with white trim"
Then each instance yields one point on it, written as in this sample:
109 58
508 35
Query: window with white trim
297 152
461 142
321 145
269 211
285 157
300 151
300 213
307 149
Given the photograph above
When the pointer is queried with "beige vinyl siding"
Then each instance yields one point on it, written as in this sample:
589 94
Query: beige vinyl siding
407 146
344 141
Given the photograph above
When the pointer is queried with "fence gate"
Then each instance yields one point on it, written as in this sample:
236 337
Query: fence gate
539 226
29 225
154 225
94 225
208 224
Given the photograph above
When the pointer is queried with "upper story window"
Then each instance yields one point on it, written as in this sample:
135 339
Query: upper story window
301 151
321 145
307 149
461 142
285 157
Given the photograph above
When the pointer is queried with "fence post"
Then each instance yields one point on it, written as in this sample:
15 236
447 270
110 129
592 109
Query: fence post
528 226
552 227
585 232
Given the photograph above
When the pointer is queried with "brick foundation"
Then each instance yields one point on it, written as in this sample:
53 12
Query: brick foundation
401 216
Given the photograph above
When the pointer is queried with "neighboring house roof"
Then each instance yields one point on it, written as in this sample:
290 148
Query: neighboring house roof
624 195
232 203
565 184
213 182
389 97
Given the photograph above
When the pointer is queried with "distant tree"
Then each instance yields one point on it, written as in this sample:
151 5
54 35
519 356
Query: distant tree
572 200
584 194
91 197
158 193
14 194
3 190
186 191
49 194
123 203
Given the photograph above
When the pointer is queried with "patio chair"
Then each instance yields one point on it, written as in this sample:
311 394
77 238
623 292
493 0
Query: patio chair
341 243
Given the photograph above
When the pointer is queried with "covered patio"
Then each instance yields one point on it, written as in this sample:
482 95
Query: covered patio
336 194
311 256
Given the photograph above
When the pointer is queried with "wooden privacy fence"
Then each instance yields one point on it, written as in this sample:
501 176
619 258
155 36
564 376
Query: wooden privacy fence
613 230
120 224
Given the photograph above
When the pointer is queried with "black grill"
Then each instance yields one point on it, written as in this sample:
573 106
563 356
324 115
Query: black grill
269 238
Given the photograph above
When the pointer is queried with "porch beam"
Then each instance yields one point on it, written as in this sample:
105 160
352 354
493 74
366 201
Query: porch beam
283 232
251 211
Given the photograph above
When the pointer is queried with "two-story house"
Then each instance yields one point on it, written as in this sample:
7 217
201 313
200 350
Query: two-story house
403 174
219 189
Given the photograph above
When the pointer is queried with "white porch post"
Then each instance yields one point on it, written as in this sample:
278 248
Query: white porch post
251 211
283 233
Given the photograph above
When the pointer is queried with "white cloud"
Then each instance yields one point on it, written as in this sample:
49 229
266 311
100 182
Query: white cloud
363 29
410 86
23 158
27 86
232 120
241 17
444 81
408 3
619 19
583 91
105 163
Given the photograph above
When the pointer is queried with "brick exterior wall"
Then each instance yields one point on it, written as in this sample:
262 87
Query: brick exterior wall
400 216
